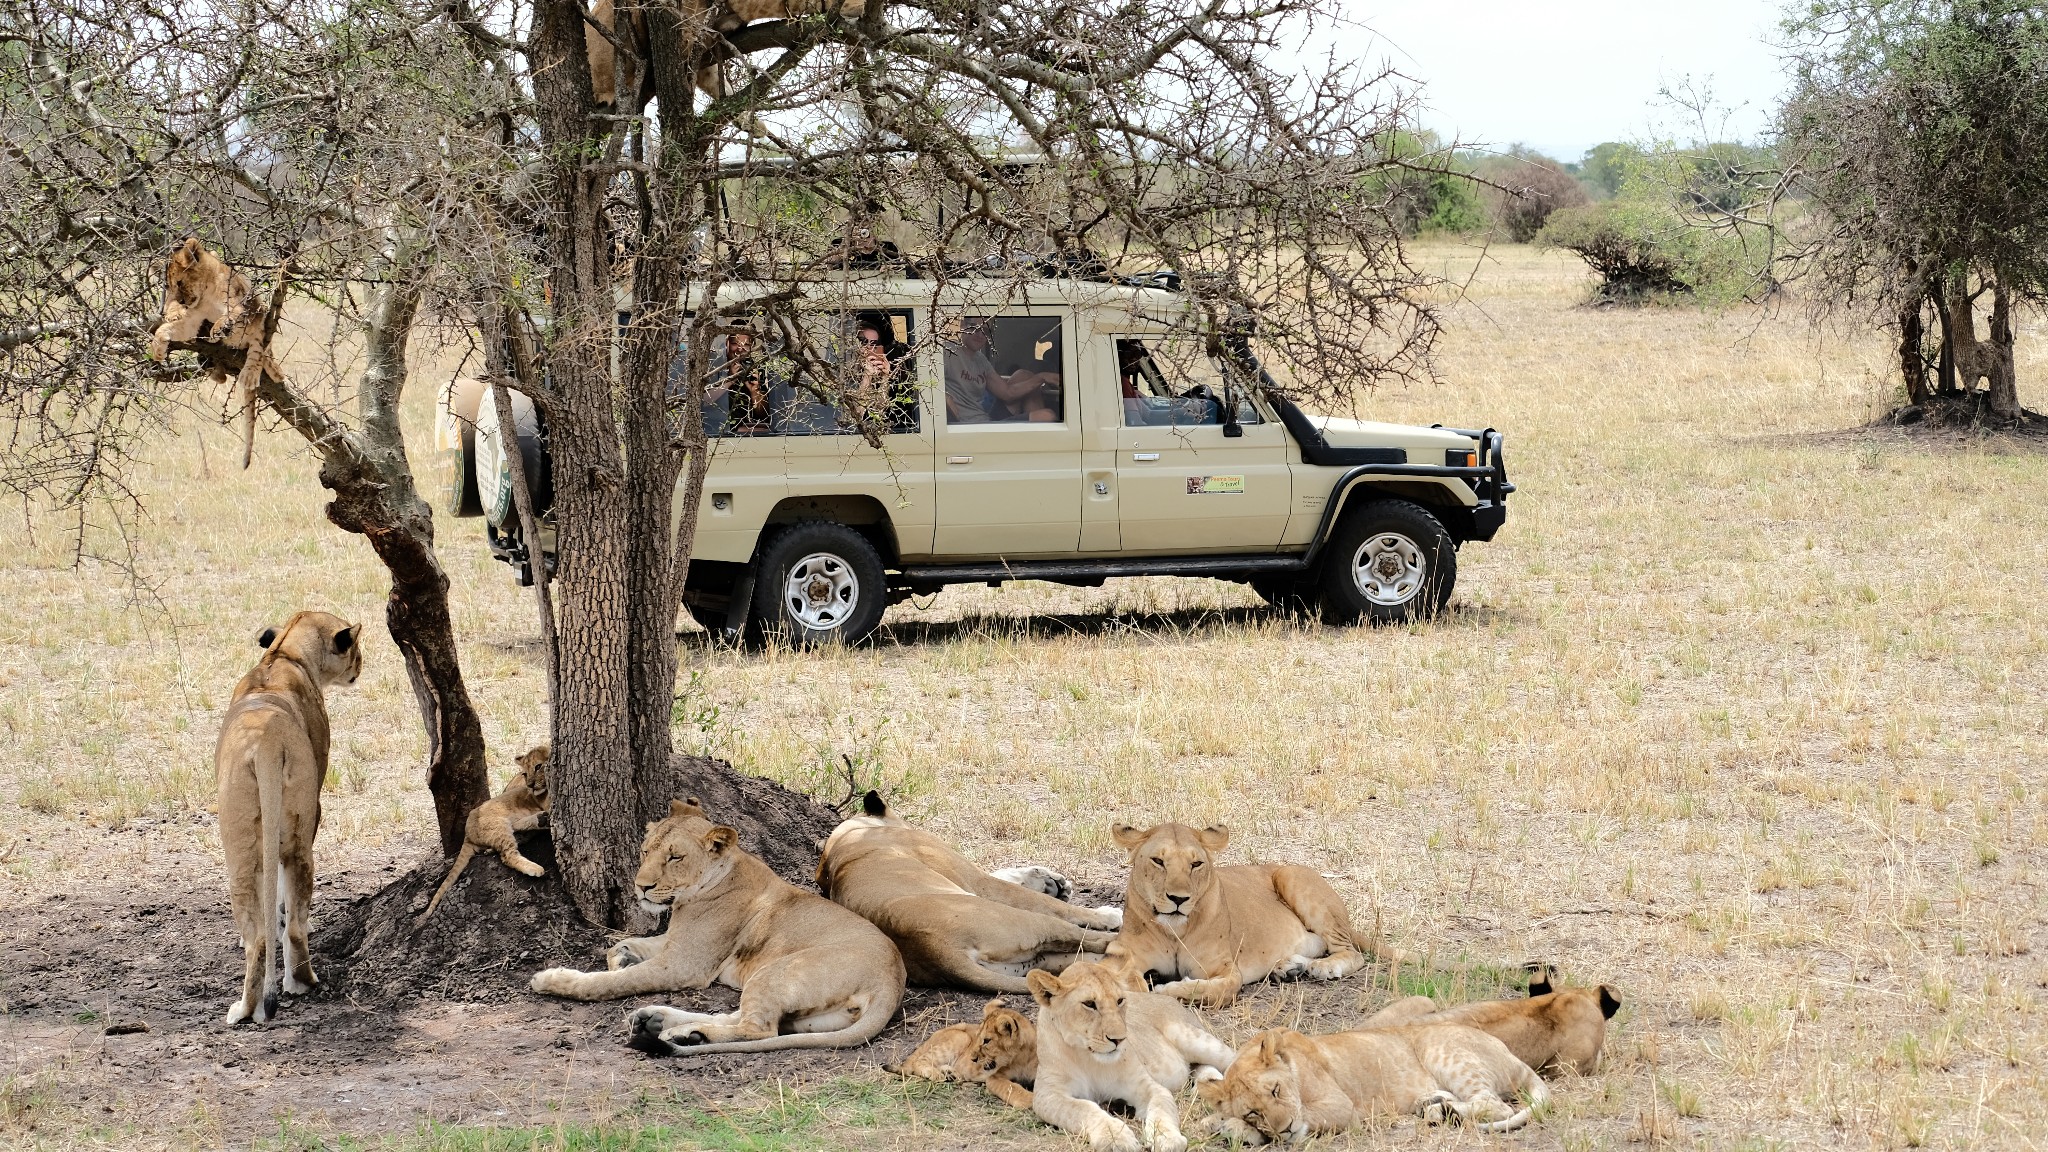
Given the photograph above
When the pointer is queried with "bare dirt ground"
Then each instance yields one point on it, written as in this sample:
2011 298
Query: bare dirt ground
1745 713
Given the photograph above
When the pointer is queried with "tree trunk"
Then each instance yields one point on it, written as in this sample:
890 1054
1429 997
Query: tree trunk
1996 356
374 496
1912 357
596 805
1962 329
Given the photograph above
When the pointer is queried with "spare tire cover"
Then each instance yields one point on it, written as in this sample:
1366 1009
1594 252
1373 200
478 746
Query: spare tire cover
494 470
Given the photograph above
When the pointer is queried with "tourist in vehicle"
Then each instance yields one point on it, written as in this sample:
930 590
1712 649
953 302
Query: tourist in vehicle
742 378
976 393
882 375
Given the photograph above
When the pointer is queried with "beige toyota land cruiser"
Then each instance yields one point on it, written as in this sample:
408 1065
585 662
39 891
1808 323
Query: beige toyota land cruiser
1066 430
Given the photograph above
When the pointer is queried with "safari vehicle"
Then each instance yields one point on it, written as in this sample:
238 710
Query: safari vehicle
1065 430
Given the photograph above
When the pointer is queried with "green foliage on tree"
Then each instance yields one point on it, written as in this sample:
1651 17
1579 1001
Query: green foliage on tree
1920 134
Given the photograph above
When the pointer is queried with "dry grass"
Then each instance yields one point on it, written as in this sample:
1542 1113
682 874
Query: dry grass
1742 714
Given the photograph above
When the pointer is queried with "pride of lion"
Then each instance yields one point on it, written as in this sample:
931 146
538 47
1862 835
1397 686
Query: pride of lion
1115 990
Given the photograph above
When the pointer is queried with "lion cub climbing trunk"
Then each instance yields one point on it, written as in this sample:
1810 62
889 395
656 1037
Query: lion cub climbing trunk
269 763
492 826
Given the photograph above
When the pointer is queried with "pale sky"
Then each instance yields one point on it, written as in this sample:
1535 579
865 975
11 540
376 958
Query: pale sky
1563 75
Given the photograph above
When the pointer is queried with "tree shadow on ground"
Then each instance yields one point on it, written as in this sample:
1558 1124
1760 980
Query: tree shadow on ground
1177 624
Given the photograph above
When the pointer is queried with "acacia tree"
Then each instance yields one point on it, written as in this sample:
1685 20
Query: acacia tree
1158 135
124 128
470 157
1918 131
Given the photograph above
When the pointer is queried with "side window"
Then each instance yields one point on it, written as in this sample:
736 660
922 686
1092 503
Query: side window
1172 381
1004 369
857 372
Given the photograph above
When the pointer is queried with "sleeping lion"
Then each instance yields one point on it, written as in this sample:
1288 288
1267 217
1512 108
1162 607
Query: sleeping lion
954 923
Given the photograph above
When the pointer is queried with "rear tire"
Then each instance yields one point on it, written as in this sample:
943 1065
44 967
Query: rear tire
819 583
1389 562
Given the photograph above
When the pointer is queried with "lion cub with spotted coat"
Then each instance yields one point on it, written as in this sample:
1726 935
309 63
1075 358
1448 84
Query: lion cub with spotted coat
492 826
1000 1053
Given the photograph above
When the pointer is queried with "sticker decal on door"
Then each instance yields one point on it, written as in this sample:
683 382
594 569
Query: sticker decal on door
1215 485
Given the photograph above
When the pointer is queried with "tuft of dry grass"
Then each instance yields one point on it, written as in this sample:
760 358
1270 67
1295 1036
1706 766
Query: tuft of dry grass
1743 713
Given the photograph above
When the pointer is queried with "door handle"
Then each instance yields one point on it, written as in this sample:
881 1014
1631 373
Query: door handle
1144 457
959 459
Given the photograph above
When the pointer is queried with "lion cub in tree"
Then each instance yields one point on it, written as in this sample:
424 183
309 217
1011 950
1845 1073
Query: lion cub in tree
269 764
1198 931
1000 1053
491 826
1099 1041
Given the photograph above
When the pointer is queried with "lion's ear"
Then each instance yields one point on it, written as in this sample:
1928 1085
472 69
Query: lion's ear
1044 986
344 640
1539 979
1609 1002
992 1007
1212 1092
719 839
1129 835
1214 837
266 638
872 804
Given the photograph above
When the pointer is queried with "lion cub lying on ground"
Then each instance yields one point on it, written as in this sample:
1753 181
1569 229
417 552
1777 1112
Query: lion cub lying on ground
954 923
1201 932
491 826
1549 1031
810 974
1285 1086
1000 1053
1099 1041
269 764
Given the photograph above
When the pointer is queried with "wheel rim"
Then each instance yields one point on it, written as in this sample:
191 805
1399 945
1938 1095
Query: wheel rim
1389 569
821 592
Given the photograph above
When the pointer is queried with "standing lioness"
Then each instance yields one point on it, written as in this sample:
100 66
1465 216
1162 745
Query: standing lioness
269 763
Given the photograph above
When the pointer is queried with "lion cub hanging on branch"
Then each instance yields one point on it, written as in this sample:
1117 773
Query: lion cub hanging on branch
492 824
210 309
269 763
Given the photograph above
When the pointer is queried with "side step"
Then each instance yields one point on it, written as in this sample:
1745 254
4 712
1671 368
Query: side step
932 577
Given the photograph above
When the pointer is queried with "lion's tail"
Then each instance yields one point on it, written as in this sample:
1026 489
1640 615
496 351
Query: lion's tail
270 886
873 1019
462 859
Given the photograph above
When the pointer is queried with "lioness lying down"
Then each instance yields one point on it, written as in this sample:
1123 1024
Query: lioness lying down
810 973
1000 1053
954 923
1099 1041
1285 1086
1549 1031
1201 932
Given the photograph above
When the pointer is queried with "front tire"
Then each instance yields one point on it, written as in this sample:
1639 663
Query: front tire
1389 562
820 583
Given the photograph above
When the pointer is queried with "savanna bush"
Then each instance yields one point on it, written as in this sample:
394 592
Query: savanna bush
1647 250
1528 192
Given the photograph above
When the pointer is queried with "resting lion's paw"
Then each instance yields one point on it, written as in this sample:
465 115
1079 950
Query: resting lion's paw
1111 913
1113 1136
1038 878
622 955
554 981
